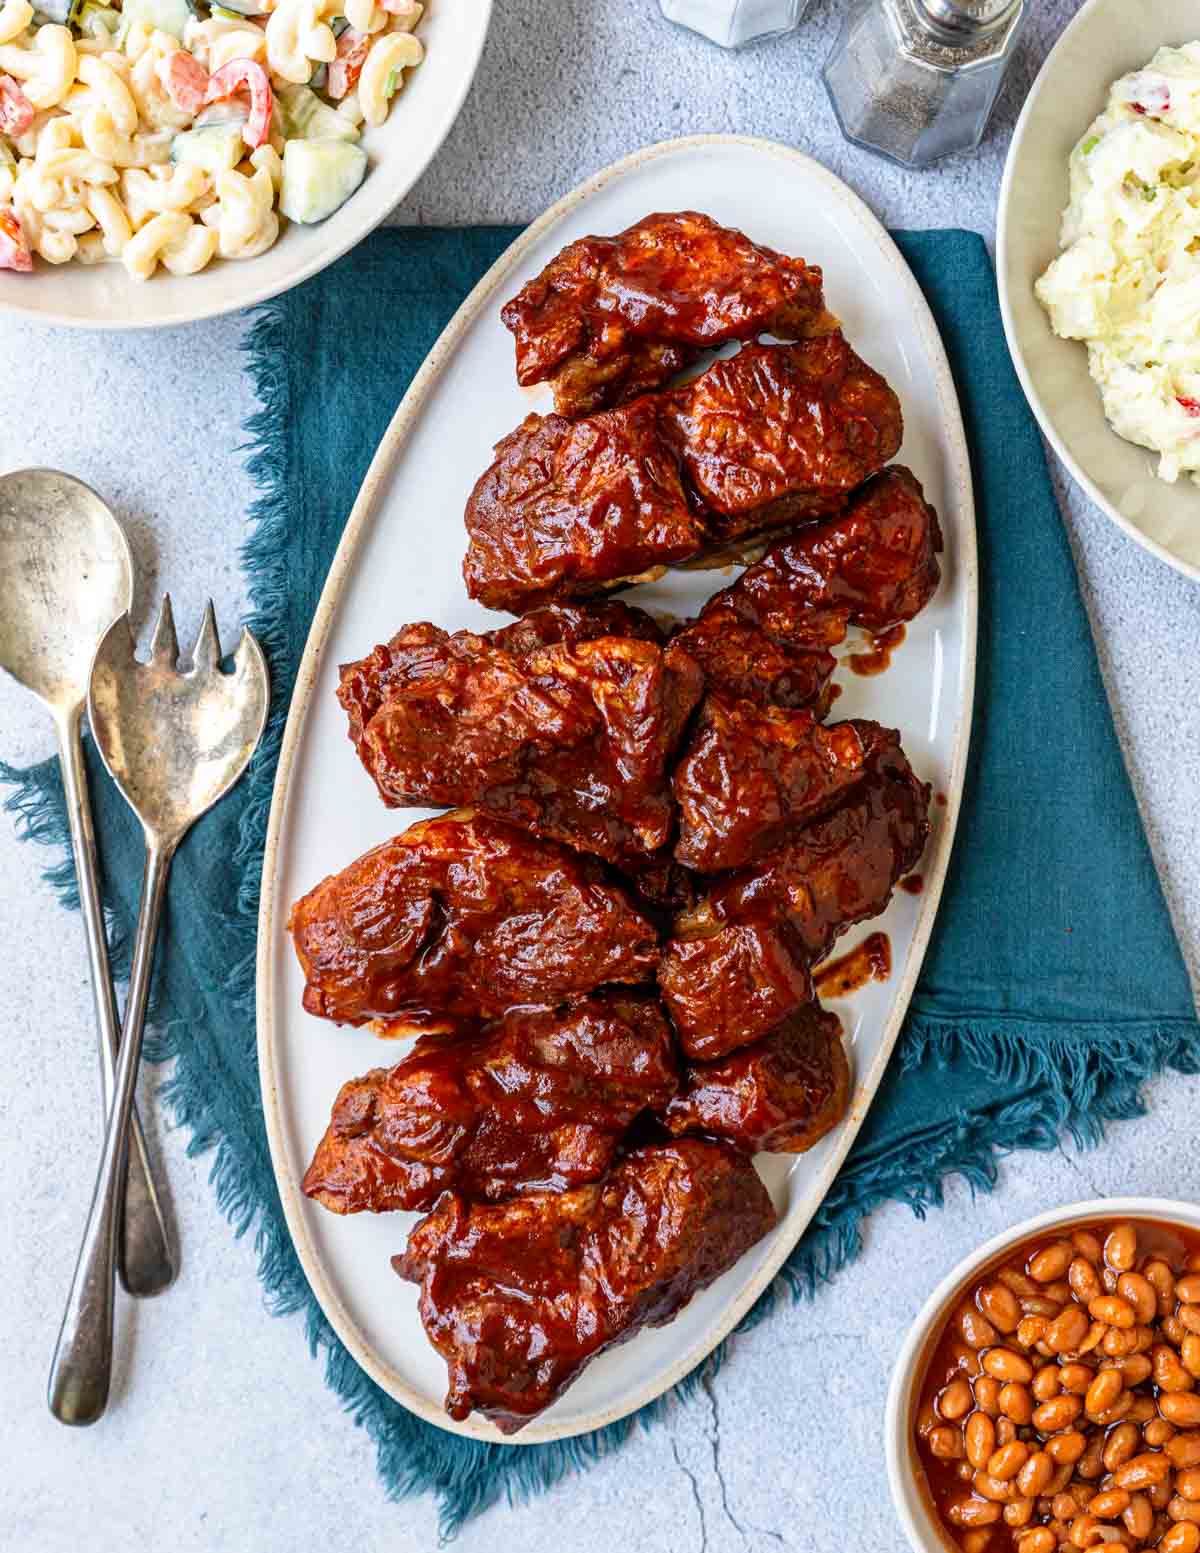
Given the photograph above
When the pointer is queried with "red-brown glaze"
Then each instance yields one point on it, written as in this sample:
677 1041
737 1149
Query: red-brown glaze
572 741
940 800
464 915
748 774
744 662
536 1101
869 961
878 657
740 962
780 1095
518 1297
913 885
610 317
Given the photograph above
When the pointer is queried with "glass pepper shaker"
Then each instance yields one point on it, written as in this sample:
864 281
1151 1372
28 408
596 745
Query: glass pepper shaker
917 79
734 23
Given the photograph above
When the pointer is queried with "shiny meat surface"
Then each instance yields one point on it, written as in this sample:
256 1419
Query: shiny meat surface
779 1095
574 741
582 622
779 433
741 660
748 774
772 435
536 1101
518 1297
610 317
464 915
568 509
873 565
740 962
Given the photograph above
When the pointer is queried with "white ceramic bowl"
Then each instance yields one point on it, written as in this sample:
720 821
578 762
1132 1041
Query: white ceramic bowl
919 1524
1106 39
105 297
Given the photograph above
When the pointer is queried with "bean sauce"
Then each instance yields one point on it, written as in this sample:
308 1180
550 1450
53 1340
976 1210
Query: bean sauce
1059 1405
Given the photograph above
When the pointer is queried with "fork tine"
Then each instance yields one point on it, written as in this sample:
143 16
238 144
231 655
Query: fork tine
206 655
165 647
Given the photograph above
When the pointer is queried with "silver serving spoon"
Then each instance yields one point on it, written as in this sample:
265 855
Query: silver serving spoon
174 743
67 575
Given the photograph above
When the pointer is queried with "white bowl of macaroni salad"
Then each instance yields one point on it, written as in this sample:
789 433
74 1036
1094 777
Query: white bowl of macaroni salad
1097 244
166 160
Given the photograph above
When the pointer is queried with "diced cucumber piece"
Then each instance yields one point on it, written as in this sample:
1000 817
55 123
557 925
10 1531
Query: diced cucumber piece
228 112
318 177
214 147
166 15
306 117
319 77
58 11
93 20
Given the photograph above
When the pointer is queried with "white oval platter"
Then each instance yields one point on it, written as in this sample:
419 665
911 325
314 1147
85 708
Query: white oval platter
399 561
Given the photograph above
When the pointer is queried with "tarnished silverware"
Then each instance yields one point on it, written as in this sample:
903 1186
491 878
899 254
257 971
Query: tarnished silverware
174 743
68 575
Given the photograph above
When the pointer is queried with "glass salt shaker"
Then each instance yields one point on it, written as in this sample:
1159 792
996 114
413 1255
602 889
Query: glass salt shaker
734 23
917 79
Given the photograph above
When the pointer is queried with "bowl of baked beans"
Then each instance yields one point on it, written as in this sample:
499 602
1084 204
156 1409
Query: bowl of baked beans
1047 1399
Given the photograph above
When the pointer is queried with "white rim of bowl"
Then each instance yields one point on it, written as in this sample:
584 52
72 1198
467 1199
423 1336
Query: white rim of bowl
1080 476
451 108
922 1531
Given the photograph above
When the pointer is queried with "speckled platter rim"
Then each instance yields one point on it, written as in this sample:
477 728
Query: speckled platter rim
935 861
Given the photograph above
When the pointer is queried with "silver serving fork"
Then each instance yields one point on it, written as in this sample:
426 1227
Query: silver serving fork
174 743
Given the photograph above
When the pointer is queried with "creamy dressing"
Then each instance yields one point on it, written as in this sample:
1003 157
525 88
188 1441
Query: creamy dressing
1127 282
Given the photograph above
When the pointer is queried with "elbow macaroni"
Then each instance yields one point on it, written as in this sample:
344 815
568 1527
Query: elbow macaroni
93 170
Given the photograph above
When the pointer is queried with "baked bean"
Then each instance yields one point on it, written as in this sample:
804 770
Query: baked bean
1059 1413
1143 1471
1007 1460
1085 1529
1189 1354
1104 1391
1181 1408
1143 1338
1138 1517
1031 1330
1193 1262
965 1472
1118 1341
1076 1378
1184 1450
1051 1262
1189 1316
1018 1512
1091 1464
1035 1474
1087 1244
955 1401
1159 1494
1112 1310
1136 1368
1157 1431
1187 1484
1120 1249
1042 1540
991 1488
1084 1280
1016 1403
1187 1289
1006 1430
1064 1507
1183 1537
999 1305
1066 1449
977 1330
1120 1446
979 1436
946 1443
1139 1292
1093 1337
1063 1474
987 1396
1005 1365
1109 1504
1159 1274
1066 1332
1122 1408
1039 1305
1169 1374
1180 1509
1017 1282
1173 1330
1047 1382
975 1541
973 1512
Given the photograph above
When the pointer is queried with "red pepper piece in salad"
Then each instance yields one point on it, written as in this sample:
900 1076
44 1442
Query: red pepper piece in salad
14 250
245 74
16 111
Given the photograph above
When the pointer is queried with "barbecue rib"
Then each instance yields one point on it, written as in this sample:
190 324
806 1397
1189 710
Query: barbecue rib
780 1095
536 1101
739 963
464 916
518 1297
772 435
611 317
572 741
749 774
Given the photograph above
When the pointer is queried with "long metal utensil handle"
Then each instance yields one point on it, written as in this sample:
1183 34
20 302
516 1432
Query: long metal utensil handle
82 1365
144 1258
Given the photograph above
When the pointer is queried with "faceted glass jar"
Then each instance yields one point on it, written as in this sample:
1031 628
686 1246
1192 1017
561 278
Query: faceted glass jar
735 23
913 90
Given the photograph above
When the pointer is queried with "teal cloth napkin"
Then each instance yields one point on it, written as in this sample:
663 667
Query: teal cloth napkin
1053 986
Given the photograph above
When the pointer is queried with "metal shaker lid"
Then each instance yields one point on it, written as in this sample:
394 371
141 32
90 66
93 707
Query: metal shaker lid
969 16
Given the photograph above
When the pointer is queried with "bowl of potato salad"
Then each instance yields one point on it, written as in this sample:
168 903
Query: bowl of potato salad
167 160
1098 258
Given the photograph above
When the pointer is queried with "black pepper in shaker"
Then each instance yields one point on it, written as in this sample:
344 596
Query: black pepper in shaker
917 79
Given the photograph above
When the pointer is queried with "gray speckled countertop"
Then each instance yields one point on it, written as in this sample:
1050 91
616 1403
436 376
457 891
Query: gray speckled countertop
222 1434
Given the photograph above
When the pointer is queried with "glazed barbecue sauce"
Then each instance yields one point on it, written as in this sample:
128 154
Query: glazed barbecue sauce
869 961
